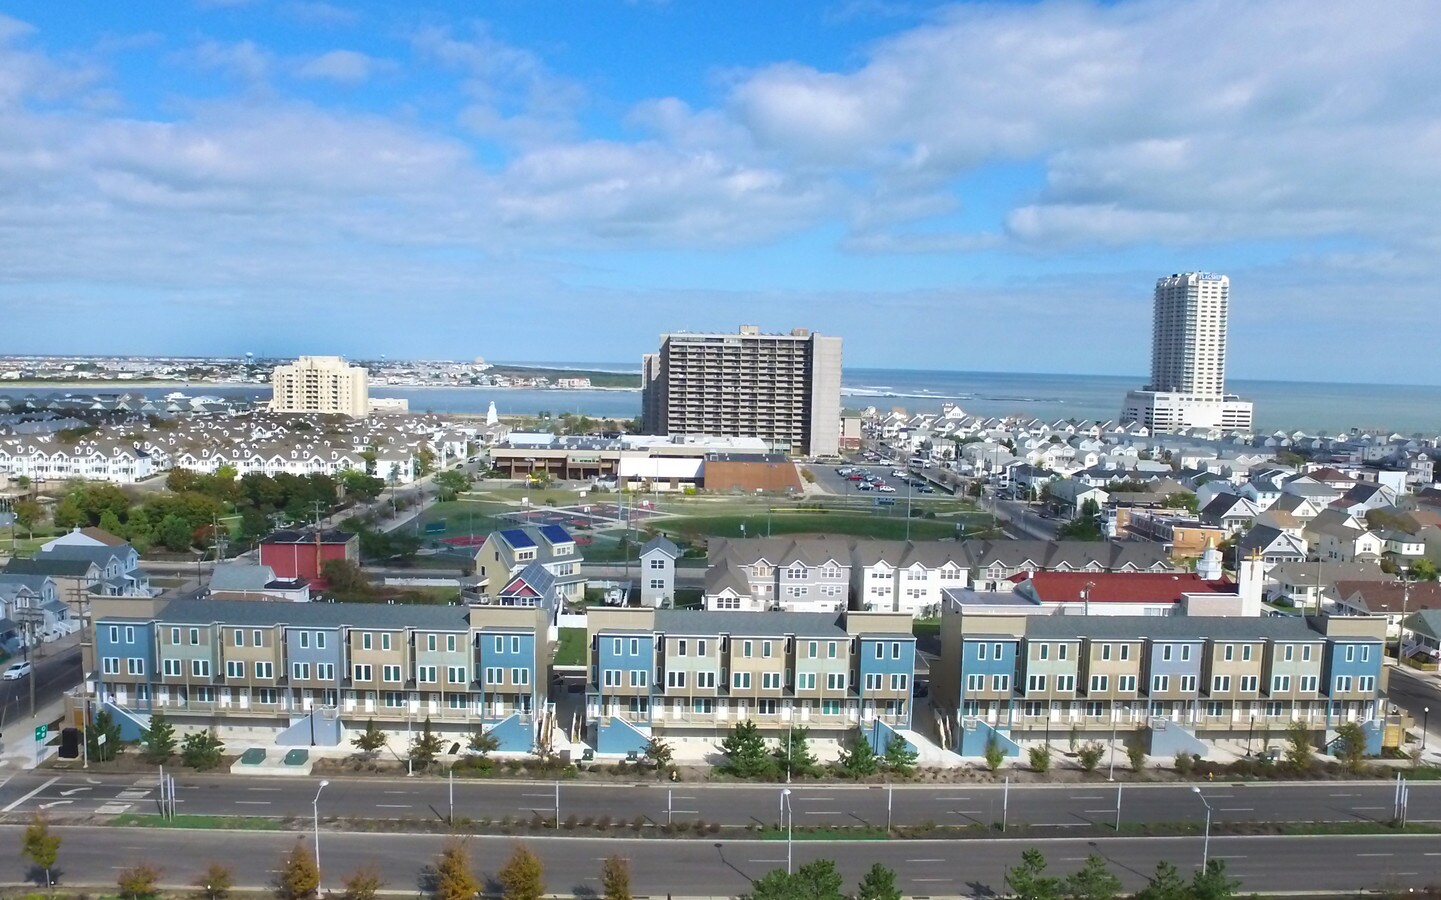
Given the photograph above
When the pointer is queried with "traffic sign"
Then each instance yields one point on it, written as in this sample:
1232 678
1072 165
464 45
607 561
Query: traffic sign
40 732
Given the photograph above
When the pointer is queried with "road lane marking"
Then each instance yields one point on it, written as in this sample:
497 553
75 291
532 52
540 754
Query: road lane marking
1093 812
925 860
1228 857
28 796
942 880
814 799
393 805
1368 807
275 790
252 802
1375 854
1344 795
1237 809
768 860
821 812
1088 797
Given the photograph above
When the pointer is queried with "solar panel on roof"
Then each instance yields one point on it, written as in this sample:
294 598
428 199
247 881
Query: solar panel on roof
517 538
555 534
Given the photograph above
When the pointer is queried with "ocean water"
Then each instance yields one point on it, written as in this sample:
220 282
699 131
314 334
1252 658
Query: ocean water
1280 405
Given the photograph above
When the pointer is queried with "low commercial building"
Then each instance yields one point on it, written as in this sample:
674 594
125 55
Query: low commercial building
302 553
243 581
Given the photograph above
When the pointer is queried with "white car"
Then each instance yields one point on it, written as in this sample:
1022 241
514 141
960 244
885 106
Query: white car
885 489
17 671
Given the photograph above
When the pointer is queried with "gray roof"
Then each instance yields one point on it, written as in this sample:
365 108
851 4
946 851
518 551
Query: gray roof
1235 628
315 615
48 565
753 624
241 577
663 544
1426 622
11 584
101 556
726 574
1306 573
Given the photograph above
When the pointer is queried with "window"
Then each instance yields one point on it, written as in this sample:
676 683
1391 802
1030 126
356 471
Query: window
1308 684
703 706
234 668
450 643
1365 654
1095 709
385 640
975 683
1166 652
615 646
1228 652
680 647
741 680
1246 652
320 640
1306 653
806 681
499 644
1215 709
300 671
1065 683
1188 684
1125 651
394 699
455 674
1001 683
429 642
1220 684
110 665
325 671
981 651
635 646
900 682
1126 684
205 695
770 681
1100 683
1185 653
304 637
657 584
1366 684
1031 708
1043 651
266 696
1249 683
363 672
496 675
1036 683
237 638
896 650
194 637
705 679
1280 683
521 677
365 640
675 679
831 650
765 649
455 701
426 674
257 638
1289 652
639 677
880 651
830 707
200 668
766 707
265 670
175 635
1062 650
114 634
700 648
610 678
836 681
657 564
1343 684
1160 684
390 673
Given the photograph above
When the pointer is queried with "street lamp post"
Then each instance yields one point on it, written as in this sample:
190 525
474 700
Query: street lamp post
1206 845
1250 734
315 810
1425 717
790 819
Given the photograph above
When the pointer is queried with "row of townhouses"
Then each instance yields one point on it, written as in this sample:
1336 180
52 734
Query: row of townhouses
265 443
310 669
681 674
1172 677
911 577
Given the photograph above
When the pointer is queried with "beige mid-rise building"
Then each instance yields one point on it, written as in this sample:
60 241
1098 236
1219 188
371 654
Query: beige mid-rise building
320 384
782 388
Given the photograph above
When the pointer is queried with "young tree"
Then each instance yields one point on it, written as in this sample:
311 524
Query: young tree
1028 881
615 879
1040 758
901 757
362 884
28 514
1089 755
138 882
816 880
995 756
369 741
482 742
859 759
1093 881
521 878
879 883
1136 755
215 882
745 751
1422 569
298 878
1212 883
453 878
202 750
40 845
1299 750
659 753
1166 884
103 726
1351 746
793 754
426 745
158 739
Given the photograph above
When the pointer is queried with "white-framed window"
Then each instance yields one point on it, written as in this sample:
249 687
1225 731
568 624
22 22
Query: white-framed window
770 681
705 679
455 674
900 682
200 668
390 674
300 671
674 679
1035 682
234 668
426 674
1126 683
1001 683
1220 684
806 681
1065 683
975 682
135 665
265 670
363 672
1280 683
836 681
741 680
1160 684
1100 683
520 677
110 665
325 671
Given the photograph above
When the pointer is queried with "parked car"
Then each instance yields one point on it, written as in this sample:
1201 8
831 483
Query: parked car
17 671
885 489
925 489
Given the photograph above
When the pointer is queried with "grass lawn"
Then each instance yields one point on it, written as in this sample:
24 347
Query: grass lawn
809 522
241 823
570 647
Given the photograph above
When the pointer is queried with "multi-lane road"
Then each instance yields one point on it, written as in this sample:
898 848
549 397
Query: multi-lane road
1054 808
721 868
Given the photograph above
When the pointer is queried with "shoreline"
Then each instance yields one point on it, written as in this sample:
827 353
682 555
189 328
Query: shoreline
119 387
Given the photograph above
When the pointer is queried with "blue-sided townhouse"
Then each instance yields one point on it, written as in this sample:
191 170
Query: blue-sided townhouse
884 668
1354 675
512 669
621 683
125 663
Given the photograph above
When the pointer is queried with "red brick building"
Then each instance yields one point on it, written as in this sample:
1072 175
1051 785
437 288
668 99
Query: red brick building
302 554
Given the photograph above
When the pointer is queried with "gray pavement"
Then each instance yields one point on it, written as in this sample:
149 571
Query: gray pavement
1051 807
685 868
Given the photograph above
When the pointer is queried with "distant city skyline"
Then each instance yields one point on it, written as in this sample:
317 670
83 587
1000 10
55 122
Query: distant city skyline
963 186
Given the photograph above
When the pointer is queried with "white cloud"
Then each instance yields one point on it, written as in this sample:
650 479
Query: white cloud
343 67
245 60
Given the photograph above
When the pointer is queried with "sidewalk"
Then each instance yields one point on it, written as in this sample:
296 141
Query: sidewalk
17 738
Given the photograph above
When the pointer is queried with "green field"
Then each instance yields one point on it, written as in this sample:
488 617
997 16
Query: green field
570 647
808 522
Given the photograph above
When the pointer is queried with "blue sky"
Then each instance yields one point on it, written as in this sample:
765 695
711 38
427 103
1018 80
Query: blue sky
975 186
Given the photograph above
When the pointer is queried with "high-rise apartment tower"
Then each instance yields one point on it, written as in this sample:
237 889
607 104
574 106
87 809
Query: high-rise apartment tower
782 388
320 384
1188 359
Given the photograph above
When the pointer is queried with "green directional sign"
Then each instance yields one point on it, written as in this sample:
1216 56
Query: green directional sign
40 732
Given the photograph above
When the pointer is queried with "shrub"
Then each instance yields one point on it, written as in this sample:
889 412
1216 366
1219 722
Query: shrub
995 756
1185 762
1040 758
1136 755
1089 755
